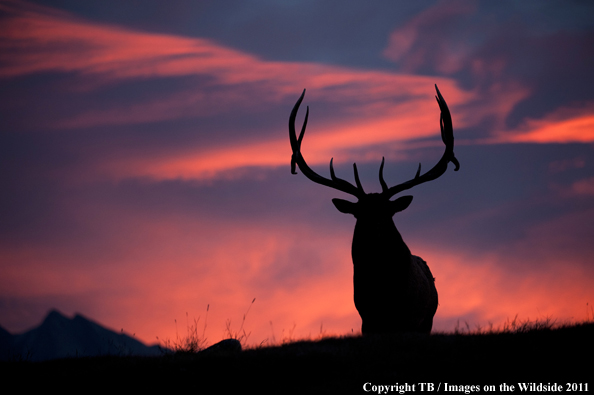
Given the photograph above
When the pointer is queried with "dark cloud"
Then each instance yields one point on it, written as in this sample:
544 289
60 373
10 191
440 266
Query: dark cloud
503 197
544 47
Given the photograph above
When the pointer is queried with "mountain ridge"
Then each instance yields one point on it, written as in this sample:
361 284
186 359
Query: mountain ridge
61 337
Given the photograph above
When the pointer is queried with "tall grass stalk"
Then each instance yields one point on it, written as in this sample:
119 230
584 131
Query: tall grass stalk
241 335
192 342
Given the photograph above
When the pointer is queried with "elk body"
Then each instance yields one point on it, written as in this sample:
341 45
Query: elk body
394 291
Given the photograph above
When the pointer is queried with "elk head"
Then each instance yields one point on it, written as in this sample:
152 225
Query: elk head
394 290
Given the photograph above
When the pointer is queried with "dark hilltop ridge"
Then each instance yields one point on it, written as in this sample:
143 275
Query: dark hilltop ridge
465 361
62 337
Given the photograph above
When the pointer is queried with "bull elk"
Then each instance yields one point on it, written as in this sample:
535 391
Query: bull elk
394 291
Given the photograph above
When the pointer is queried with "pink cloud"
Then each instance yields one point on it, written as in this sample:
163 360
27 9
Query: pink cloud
486 289
578 129
153 270
149 269
383 107
43 42
564 125
151 291
414 121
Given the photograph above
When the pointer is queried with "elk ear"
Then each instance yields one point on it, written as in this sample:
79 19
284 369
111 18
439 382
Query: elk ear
400 204
344 206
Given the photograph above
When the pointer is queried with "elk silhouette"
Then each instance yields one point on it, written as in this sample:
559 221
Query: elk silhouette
394 291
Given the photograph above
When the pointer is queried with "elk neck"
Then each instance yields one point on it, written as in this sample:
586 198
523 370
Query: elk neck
377 243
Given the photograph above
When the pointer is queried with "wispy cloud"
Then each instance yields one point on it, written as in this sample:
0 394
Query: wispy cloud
382 107
555 128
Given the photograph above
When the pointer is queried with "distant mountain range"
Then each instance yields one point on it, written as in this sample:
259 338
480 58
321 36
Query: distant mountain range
62 337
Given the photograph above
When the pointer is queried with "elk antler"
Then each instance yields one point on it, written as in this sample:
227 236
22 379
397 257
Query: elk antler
297 159
447 135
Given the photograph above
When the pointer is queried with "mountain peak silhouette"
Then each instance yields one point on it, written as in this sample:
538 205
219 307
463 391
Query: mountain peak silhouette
61 337
54 317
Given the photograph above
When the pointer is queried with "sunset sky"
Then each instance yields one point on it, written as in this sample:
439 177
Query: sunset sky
145 159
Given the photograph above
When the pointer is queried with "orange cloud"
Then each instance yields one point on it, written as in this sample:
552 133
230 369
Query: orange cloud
318 147
565 125
579 129
157 269
48 41
484 288
37 39
154 270
383 107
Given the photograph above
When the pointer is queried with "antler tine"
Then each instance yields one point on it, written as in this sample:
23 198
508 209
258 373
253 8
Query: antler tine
447 136
381 177
297 159
296 144
359 186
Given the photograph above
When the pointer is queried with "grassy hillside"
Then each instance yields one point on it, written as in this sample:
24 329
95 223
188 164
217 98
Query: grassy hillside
341 365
